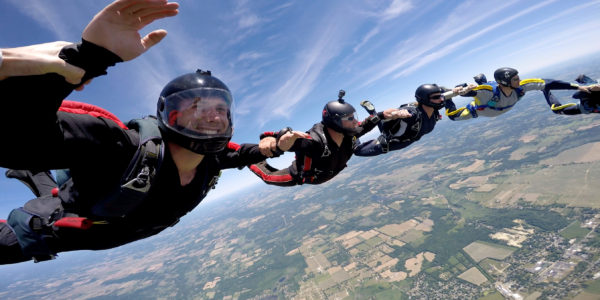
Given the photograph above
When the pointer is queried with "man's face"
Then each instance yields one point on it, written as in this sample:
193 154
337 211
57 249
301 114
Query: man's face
436 98
349 121
206 115
515 82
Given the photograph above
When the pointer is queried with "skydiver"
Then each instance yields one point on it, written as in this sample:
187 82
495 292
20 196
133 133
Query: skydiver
589 102
172 161
413 121
495 98
326 148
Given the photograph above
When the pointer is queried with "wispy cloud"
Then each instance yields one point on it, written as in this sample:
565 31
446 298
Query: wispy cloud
415 51
449 48
511 35
562 46
50 15
396 8
307 68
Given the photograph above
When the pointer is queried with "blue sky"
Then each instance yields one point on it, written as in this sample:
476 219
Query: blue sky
283 60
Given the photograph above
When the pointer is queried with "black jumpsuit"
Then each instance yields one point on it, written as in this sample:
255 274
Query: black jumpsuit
97 151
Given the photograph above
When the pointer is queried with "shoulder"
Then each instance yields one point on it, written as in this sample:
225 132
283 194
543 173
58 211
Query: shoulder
532 84
532 81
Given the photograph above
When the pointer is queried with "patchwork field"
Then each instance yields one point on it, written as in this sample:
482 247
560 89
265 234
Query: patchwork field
479 251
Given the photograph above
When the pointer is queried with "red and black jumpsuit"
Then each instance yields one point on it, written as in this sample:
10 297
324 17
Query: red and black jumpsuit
97 151
317 159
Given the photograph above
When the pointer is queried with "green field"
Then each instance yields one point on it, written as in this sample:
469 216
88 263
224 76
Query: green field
574 230
493 296
592 286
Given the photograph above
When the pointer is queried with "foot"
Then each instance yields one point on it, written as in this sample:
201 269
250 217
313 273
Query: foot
368 106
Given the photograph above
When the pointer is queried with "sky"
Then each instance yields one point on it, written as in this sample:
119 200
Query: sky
283 60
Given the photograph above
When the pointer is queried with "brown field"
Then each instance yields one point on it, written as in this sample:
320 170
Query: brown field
473 276
499 150
478 251
574 185
414 264
586 296
473 181
583 154
411 236
477 165
527 138
522 153
398 229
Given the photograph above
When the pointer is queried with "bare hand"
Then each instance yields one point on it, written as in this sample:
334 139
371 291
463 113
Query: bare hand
37 60
395 113
116 26
267 146
459 90
287 140
589 88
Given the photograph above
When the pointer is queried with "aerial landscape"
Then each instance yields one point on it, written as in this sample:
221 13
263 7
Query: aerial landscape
502 208
489 208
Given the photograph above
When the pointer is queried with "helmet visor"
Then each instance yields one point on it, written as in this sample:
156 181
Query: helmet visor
199 113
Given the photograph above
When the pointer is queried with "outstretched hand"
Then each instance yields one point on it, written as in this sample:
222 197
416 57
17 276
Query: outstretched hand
116 27
267 146
39 59
287 140
459 90
589 88
396 113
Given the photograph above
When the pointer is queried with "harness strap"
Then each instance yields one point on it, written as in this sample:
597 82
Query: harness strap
306 170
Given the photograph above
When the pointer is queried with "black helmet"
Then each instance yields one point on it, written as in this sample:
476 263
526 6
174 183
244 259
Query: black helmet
334 111
195 111
480 79
422 94
504 75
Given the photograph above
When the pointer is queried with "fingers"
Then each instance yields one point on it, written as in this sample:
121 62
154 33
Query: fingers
71 73
145 20
300 135
267 145
153 38
80 88
147 9
131 6
266 152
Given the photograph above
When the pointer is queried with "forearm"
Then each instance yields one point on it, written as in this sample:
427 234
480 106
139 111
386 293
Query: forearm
559 85
368 124
238 156
455 114
52 88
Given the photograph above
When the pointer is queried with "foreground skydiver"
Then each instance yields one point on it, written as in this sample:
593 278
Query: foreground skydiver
324 151
495 98
589 102
127 182
414 121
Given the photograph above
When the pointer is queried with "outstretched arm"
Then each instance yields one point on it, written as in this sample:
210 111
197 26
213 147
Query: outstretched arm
37 60
274 145
462 113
